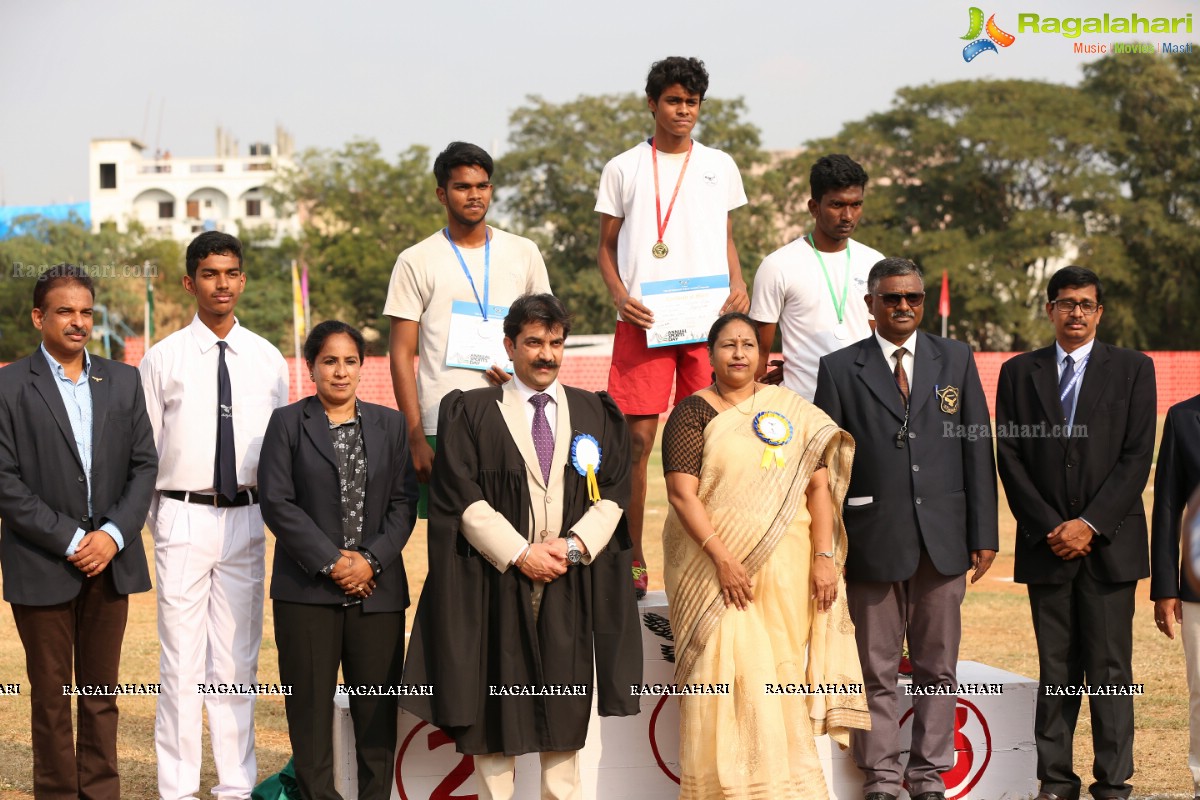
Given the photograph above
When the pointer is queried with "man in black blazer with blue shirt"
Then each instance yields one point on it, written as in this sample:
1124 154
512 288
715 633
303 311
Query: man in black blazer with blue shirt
77 470
920 511
1074 443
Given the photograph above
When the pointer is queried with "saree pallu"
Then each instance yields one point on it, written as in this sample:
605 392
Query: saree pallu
757 740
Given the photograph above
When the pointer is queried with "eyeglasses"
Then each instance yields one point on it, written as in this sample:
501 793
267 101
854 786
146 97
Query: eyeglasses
1068 306
892 299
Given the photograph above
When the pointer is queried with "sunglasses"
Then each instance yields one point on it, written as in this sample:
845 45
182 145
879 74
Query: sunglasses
892 299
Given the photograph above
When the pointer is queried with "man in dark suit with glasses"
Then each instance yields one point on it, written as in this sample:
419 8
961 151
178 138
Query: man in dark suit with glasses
920 511
1075 426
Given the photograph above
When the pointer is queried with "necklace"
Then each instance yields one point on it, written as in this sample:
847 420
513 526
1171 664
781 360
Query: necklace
728 405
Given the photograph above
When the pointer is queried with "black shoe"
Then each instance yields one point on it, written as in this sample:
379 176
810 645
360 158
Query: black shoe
930 796
879 796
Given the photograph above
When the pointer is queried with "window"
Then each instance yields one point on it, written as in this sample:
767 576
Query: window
193 209
108 176
253 208
166 209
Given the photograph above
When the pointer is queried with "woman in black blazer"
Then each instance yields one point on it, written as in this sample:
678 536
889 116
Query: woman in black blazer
339 493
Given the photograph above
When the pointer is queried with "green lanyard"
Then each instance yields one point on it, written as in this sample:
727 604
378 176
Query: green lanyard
839 308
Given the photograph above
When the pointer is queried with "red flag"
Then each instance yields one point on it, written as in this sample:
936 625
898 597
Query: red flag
944 303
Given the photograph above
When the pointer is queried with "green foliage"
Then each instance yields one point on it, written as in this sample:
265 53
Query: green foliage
115 260
997 182
551 172
1155 105
360 211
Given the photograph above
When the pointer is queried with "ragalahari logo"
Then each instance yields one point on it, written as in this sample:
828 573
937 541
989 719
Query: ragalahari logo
995 36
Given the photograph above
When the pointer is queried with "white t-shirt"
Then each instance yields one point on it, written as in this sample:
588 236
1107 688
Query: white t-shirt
790 290
696 231
426 281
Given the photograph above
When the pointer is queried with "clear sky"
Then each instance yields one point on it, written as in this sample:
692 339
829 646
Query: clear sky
428 72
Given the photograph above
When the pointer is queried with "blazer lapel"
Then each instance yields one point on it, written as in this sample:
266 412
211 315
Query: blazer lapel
927 365
1093 384
563 434
1045 384
873 371
45 382
518 427
372 431
316 427
100 385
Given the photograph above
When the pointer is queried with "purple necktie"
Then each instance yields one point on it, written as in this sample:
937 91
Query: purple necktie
543 438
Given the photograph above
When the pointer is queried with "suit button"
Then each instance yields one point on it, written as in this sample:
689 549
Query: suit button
918 501
84 520
1075 501
916 468
912 435
80 479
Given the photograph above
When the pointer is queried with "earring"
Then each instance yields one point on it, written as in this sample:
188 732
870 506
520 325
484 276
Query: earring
310 377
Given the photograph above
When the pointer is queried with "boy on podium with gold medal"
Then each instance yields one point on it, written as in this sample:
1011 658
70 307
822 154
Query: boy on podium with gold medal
668 259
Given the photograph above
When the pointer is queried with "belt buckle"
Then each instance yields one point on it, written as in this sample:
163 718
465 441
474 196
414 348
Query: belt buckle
217 500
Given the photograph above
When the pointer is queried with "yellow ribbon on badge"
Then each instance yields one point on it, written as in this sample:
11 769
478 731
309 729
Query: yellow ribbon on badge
585 458
775 430
772 454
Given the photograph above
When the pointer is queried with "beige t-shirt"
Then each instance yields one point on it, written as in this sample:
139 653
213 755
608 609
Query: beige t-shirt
426 281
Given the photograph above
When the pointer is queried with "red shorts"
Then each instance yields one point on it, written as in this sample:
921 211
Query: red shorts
640 377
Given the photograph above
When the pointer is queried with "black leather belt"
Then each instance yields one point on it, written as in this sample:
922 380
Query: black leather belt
243 498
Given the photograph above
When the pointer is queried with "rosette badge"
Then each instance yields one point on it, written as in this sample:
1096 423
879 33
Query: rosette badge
585 458
775 430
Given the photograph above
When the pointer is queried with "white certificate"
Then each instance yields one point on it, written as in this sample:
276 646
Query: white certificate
684 309
475 343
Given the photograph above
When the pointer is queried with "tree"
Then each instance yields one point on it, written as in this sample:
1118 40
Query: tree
998 182
360 211
1155 106
551 172
116 262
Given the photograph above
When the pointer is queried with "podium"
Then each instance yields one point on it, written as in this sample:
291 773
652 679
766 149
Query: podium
637 758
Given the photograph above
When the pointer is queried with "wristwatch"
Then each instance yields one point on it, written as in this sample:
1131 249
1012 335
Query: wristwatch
574 554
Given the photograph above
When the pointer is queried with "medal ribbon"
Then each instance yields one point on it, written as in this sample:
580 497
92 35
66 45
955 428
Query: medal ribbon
662 223
487 267
838 308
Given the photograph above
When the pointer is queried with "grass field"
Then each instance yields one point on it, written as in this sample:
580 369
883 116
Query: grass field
996 630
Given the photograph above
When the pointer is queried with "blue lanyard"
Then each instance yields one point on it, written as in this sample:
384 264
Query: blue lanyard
1074 379
487 266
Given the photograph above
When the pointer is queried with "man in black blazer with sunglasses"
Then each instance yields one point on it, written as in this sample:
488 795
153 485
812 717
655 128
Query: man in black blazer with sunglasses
920 512
1075 441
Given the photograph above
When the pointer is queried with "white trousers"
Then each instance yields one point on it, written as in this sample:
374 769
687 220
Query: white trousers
1191 652
209 565
495 773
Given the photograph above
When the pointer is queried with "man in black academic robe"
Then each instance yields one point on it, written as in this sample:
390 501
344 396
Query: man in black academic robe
529 600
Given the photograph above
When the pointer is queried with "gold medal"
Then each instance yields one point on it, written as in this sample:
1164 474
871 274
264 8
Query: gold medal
659 250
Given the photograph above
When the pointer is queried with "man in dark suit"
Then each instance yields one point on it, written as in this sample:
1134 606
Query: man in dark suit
529 593
1075 428
77 469
920 510
1176 483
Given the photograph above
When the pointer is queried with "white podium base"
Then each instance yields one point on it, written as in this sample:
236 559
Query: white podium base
637 758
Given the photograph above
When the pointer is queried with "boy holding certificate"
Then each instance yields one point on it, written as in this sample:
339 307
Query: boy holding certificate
668 259
449 294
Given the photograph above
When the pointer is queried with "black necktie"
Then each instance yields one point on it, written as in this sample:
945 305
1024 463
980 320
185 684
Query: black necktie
1066 392
225 470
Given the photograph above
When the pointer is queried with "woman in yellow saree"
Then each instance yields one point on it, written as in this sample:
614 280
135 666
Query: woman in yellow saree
754 548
